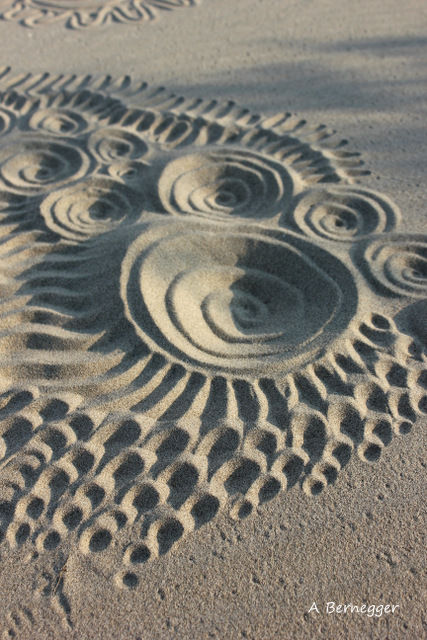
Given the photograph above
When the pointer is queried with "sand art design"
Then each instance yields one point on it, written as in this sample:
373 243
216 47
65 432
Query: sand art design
199 309
78 14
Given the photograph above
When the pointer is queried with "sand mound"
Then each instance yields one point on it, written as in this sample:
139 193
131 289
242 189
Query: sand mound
199 308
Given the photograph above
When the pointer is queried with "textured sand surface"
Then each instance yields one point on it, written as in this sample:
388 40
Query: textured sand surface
81 14
212 320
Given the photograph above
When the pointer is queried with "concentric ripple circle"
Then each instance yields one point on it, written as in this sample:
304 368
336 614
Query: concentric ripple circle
36 165
399 264
112 144
221 183
237 302
89 208
344 214
58 122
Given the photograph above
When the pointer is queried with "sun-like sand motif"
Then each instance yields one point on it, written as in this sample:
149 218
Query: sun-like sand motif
77 14
199 309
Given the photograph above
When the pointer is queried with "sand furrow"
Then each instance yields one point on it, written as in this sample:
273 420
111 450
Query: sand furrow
200 309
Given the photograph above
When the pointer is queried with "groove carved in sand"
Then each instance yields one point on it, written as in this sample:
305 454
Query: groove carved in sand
234 302
199 309
78 14
225 183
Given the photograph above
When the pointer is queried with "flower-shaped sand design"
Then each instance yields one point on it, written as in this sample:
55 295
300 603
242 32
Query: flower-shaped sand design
199 308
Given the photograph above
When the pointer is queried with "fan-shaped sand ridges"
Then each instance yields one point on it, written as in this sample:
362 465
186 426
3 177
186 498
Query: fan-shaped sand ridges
210 109
271 459
16 212
179 128
160 364
64 309
79 14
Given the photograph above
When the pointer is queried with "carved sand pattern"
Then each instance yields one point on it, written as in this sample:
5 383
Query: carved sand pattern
78 14
198 311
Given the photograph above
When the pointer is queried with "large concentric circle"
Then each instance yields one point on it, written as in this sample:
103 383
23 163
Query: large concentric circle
344 213
36 165
89 208
236 302
399 264
220 183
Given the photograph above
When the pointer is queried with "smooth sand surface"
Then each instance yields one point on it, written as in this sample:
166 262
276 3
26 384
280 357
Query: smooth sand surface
212 320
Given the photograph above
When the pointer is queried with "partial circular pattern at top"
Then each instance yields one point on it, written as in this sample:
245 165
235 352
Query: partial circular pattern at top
223 183
234 302
344 213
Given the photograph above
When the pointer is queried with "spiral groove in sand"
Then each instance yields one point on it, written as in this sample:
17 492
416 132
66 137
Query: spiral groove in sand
110 144
344 214
89 208
225 183
156 369
36 165
399 264
58 122
236 301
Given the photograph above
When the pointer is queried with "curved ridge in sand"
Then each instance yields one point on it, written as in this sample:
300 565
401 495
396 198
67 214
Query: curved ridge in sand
198 310
79 14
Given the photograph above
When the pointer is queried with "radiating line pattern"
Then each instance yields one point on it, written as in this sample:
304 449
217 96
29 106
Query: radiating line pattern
199 308
80 14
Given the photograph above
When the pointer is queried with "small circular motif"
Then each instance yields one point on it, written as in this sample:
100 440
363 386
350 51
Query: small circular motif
399 264
58 122
32 165
112 144
343 213
89 208
224 183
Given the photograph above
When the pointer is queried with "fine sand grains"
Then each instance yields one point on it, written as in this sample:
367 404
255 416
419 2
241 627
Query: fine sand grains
79 14
199 308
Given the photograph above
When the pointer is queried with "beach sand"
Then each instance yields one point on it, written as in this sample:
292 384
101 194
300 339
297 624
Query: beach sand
212 320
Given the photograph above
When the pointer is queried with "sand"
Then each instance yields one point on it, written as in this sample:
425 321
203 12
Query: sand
212 320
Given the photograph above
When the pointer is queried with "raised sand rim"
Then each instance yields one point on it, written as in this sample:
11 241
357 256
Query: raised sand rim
200 308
